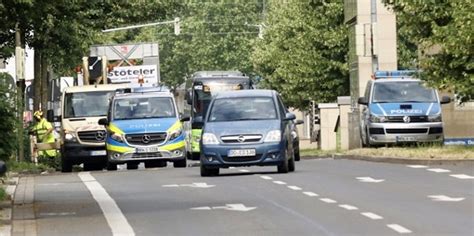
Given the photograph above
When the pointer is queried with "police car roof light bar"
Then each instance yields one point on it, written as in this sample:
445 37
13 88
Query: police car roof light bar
394 74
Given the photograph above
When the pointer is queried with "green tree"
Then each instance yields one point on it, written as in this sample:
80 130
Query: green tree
7 118
303 53
445 25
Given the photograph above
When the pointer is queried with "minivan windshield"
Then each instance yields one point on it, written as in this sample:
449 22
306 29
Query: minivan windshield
86 104
402 91
243 108
143 107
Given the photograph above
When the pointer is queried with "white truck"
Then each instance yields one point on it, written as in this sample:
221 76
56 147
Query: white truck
82 139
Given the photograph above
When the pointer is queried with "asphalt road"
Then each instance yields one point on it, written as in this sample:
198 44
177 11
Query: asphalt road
323 197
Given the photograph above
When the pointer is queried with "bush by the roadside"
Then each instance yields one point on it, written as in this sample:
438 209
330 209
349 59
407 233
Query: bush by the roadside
3 194
28 167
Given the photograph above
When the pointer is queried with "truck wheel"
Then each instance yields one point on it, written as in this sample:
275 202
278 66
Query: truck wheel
180 163
132 166
111 166
66 166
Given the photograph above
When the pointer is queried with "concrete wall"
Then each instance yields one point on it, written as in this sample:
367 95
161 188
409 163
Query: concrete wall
458 119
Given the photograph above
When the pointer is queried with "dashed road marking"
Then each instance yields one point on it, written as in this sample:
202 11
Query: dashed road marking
400 229
444 198
438 170
462 176
348 207
245 171
311 194
328 200
417 166
371 215
266 177
294 187
112 213
279 182
57 213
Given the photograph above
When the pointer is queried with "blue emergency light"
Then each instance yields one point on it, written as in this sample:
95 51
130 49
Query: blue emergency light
394 74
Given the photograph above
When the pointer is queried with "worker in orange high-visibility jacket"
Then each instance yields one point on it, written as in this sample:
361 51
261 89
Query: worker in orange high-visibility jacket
44 133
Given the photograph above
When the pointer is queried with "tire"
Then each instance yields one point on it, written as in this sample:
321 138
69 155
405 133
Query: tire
297 156
291 164
283 167
66 166
195 156
189 156
155 164
132 166
111 166
209 172
180 163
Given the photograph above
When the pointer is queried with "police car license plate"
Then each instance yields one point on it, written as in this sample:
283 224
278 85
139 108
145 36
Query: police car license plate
147 149
98 153
241 153
406 139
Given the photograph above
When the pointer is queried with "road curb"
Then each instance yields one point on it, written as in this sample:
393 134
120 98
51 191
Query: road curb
6 207
393 160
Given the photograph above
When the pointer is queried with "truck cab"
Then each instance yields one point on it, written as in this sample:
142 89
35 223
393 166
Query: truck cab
399 108
143 125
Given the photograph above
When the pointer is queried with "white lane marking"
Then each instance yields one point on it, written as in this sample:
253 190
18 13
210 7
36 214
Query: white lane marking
279 182
266 177
438 170
52 184
400 229
311 194
348 207
294 188
328 200
170 185
228 207
444 198
230 168
417 166
193 185
371 215
57 213
112 213
369 180
244 171
462 176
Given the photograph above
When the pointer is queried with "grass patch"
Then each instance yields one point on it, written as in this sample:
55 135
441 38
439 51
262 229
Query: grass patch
318 153
3 194
28 167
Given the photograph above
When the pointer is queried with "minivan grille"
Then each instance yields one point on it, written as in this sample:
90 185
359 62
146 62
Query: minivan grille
96 136
413 119
245 138
407 131
146 138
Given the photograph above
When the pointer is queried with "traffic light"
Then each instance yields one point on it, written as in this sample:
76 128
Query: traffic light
177 26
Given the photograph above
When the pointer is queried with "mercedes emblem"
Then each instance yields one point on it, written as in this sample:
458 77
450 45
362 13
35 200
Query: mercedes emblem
100 135
146 138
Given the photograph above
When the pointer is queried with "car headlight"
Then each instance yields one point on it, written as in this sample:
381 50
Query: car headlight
70 137
273 136
209 138
435 118
377 119
175 134
117 137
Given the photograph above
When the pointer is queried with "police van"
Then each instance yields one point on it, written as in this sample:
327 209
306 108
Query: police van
400 109
143 125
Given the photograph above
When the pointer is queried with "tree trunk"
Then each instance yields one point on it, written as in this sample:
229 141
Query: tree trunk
37 80
44 83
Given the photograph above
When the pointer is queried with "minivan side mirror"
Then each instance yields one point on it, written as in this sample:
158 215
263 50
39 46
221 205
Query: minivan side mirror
290 116
445 100
363 101
185 118
197 122
103 121
299 122
188 97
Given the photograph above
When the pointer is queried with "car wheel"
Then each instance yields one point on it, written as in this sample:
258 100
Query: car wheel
66 165
291 164
283 167
111 166
180 163
209 172
195 156
132 166
297 156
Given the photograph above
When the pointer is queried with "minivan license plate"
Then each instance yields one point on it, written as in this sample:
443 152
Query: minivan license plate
406 139
147 149
241 153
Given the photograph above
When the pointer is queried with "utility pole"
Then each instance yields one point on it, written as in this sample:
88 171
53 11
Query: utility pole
20 81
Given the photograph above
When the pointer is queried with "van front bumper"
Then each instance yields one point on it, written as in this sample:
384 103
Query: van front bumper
78 153
172 155
386 133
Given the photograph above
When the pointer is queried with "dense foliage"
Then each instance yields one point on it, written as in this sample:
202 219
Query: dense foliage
303 54
7 118
443 31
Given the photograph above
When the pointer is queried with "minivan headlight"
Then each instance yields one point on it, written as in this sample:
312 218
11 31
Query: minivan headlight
175 134
209 138
117 137
377 119
435 118
273 136
70 137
